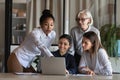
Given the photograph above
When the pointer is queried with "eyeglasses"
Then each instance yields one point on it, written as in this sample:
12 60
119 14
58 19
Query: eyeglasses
81 19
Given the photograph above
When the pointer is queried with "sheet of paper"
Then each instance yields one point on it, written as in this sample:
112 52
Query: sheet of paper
81 75
26 73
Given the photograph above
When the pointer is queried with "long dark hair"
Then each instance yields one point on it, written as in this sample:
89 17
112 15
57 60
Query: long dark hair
92 36
46 14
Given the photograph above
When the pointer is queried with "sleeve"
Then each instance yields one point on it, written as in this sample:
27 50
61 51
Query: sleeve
82 61
72 69
106 68
39 43
83 64
72 49
94 29
53 38
99 35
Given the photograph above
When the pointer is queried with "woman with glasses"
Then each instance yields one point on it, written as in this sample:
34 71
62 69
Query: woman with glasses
85 23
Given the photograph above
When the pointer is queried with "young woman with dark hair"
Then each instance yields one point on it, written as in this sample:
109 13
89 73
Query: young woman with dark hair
94 59
36 43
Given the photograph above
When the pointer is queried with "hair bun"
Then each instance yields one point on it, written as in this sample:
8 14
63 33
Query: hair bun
46 11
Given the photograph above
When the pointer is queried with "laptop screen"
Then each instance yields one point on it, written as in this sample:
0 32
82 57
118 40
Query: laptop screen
53 65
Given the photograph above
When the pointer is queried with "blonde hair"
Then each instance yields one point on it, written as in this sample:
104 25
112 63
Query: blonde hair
88 15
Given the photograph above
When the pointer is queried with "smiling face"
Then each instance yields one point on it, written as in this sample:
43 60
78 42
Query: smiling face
86 44
83 21
63 45
47 25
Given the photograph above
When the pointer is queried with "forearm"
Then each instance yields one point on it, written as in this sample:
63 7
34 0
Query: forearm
86 70
44 50
107 70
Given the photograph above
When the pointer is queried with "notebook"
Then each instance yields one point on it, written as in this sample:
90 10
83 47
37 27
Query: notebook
53 65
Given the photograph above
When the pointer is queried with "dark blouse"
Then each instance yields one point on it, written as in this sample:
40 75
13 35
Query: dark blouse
70 61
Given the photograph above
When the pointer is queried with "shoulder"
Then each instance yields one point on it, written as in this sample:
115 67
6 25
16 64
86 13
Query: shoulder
37 30
53 33
102 53
55 53
74 28
94 29
69 55
102 50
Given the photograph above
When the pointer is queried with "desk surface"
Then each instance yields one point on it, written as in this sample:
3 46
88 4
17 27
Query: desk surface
12 76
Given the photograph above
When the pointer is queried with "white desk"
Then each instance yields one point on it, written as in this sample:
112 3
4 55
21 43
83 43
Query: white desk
11 76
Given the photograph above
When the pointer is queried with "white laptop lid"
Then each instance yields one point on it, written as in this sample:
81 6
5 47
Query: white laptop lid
53 65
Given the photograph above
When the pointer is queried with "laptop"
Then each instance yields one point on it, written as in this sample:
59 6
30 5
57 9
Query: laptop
53 65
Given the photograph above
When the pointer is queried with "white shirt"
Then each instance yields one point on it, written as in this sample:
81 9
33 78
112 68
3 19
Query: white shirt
99 62
77 35
36 43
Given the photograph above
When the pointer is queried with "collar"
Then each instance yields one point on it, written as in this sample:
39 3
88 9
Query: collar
43 34
62 55
89 27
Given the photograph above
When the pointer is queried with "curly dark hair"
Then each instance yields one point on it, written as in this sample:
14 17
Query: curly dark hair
46 14
68 37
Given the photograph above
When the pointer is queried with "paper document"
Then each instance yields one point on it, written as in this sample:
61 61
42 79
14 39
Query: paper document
81 75
24 73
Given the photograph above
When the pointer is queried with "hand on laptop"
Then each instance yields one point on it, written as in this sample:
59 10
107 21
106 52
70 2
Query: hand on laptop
52 56
67 72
